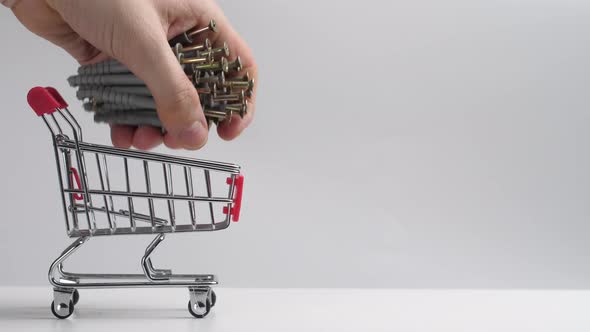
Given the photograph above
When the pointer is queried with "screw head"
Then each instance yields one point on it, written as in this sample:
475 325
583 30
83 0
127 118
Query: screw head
224 65
225 49
237 64
213 25
178 48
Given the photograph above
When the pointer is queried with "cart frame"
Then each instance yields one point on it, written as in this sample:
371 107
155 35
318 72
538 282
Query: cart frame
77 202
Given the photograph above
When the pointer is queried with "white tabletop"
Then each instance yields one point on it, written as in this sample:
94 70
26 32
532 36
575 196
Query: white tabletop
165 310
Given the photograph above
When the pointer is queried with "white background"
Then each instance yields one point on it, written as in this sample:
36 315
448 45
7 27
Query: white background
397 144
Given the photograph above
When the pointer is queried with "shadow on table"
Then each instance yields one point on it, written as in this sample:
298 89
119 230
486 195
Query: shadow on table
82 312
19 313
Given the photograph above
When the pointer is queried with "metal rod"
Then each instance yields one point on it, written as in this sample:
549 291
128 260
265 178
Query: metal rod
140 155
129 199
148 187
208 184
188 179
102 186
68 166
81 168
169 191
153 196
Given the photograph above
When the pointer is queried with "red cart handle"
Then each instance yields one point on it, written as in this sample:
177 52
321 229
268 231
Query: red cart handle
237 206
75 176
53 92
43 100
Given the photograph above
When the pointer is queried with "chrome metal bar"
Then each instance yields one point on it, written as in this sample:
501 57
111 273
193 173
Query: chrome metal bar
123 213
129 199
161 158
56 123
82 171
146 262
208 185
60 179
108 183
188 179
154 196
49 127
169 191
68 164
148 188
180 228
102 186
187 277
77 125
61 279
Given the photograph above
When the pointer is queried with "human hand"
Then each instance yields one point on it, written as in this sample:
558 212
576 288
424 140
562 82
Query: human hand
136 33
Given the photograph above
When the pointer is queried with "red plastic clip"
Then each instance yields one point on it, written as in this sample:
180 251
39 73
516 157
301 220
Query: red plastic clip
53 92
42 101
237 205
75 176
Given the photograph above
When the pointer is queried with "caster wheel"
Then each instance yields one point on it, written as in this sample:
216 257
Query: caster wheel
76 297
203 309
213 299
70 310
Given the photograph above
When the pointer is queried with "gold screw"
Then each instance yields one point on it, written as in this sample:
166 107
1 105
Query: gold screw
197 60
236 64
183 49
224 49
222 65
211 27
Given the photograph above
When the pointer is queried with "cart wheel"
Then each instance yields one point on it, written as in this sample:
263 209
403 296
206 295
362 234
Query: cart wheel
203 309
76 296
70 310
213 299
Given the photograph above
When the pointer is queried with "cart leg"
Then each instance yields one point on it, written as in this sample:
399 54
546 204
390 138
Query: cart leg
201 301
150 272
56 267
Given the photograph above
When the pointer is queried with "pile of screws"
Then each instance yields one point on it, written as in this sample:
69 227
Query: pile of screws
116 96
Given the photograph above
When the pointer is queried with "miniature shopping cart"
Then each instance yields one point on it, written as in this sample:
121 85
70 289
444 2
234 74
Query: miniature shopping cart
110 191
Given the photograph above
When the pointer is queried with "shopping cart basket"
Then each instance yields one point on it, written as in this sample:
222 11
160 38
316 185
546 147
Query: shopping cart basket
109 191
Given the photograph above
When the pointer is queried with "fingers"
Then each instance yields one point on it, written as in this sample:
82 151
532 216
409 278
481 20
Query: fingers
229 130
122 136
176 99
134 32
146 138
203 12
